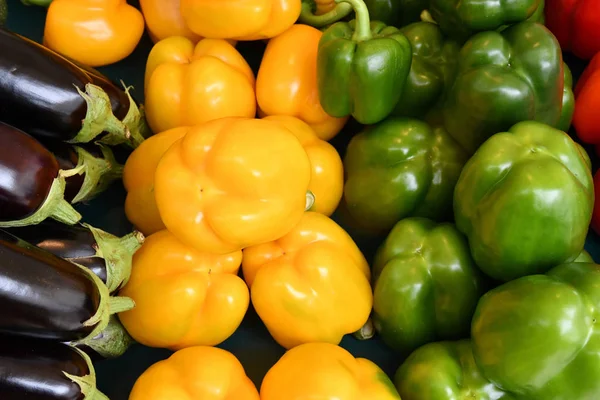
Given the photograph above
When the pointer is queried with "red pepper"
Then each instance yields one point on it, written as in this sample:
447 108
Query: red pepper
576 25
586 118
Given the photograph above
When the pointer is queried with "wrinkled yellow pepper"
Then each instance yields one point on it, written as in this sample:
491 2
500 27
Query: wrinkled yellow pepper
138 180
163 19
93 32
188 85
240 19
199 372
232 183
326 372
286 83
327 175
183 297
311 285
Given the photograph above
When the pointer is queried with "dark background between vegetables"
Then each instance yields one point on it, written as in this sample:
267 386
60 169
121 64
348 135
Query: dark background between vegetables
251 343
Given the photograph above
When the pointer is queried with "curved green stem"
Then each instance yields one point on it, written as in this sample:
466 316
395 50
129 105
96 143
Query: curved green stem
99 172
308 16
426 17
362 31
87 383
135 121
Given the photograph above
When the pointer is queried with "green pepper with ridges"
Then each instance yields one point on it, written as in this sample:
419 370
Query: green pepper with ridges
362 67
425 285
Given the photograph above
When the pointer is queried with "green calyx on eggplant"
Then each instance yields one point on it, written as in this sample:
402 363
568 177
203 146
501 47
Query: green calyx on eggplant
111 343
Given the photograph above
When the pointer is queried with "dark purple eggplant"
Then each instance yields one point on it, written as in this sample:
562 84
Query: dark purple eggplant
111 343
45 370
44 296
107 256
32 185
50 96
100 168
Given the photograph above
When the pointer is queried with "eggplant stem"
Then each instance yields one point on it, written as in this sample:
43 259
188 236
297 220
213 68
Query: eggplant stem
135 120
99 118
117 253
55 206
112 342
99 172
87 383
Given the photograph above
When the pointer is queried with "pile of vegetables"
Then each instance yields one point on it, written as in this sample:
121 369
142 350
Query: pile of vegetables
463 155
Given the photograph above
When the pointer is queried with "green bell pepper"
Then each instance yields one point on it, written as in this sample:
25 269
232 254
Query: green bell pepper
460 19
444 371
536 336
396 12
505 78
525 201
400 167
432 70
425 285
584 257
362 67
568 101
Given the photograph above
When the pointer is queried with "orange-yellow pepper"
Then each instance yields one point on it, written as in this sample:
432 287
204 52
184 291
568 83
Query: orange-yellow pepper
93 32
326 372
200 372
240 19
183 297
286 83
327 175
163 19
312 285
138 179
232 183
188 85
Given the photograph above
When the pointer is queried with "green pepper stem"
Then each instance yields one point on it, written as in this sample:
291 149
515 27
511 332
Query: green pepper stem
362 31
366 332
308 17
426 17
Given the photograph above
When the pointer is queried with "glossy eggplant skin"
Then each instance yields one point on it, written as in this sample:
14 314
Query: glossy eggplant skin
33 369
27 171
42 295
38 93
67 159
71 242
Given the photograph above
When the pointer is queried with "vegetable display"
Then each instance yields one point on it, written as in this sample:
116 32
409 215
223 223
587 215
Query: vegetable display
308 199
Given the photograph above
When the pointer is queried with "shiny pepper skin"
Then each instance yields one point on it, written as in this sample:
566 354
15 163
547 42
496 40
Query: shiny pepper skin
93 32
233 183
187 84
183 297
199 372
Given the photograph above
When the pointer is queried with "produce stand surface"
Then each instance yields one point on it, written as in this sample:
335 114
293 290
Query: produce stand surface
251 343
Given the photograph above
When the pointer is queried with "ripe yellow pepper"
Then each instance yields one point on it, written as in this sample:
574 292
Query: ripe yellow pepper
183 297
286 83
312 285
240 19
327 175
199 372
326 372
93 32
188 85
138 179
163 19
232 183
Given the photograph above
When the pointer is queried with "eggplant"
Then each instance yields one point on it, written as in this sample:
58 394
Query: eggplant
111 343
50 96
107 256
45 370
44 296
100 168
32 185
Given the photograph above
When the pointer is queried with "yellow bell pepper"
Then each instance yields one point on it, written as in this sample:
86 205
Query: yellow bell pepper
232 183
327 175
240 19
286 83
312 285
183 297
206 373
163 20
138 180
93 32
326 372
188 85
